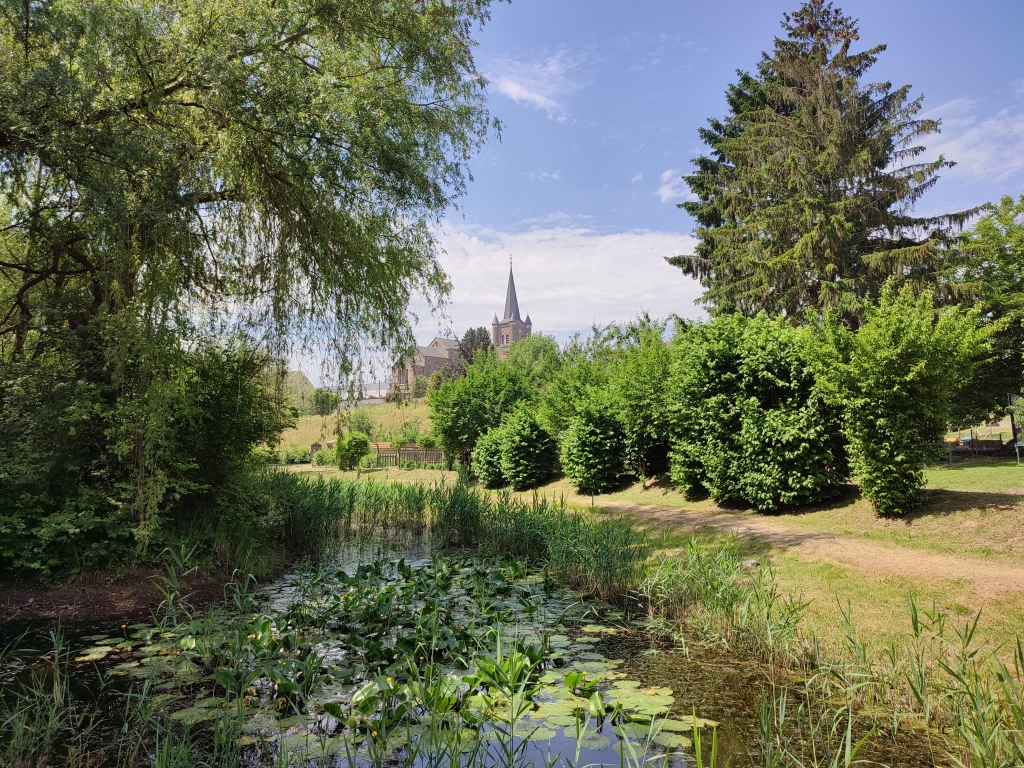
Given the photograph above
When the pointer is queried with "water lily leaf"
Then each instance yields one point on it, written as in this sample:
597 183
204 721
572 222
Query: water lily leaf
677 726
212 701
562 721
671 740
95 638
590 656
591 739
631 731
193 715
626 684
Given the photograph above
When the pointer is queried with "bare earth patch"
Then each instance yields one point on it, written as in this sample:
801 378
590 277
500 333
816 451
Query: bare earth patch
988 578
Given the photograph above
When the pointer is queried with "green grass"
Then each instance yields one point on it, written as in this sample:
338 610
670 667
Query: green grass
979 475
386 418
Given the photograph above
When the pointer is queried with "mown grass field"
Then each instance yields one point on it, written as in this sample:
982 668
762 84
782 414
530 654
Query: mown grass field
387 418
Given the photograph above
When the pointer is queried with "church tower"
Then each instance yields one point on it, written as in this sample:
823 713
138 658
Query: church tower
511 328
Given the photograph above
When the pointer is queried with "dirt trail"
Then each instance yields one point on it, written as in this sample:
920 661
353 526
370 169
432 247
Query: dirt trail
987 577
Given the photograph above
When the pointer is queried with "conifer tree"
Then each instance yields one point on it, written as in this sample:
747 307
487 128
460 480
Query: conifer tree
805 200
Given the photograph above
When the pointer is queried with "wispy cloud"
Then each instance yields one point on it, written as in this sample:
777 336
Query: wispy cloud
635 179
673 187
544 176
568 276
991 148
541 84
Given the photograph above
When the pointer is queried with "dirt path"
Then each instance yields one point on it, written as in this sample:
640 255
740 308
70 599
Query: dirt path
987 577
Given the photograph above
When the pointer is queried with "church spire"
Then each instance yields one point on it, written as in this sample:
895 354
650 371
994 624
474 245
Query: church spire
511 302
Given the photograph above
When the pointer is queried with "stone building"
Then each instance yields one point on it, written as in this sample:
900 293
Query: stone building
424 361
511 328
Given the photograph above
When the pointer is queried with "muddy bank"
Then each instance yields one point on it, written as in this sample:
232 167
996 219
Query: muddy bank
99 596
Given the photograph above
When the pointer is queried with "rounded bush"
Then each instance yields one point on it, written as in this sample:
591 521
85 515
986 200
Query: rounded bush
486 460
593 451
351 449
529 455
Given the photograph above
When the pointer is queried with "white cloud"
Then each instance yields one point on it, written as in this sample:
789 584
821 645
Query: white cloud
673 187
538 84
567 276
990 148
544 176
638 177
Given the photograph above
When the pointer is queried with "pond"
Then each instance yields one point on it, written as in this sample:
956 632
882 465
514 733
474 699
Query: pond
405 659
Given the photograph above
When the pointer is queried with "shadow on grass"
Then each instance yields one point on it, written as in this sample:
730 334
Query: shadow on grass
944 502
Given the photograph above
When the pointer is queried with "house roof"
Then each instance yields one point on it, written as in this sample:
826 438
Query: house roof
446 343
432 352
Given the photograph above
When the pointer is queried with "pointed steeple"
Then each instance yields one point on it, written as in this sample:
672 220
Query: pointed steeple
511 302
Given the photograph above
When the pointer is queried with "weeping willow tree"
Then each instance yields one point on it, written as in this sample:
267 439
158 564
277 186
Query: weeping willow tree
178 177
806 199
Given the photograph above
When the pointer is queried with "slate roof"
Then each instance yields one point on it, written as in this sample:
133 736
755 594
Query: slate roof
432 352
446 343
511 302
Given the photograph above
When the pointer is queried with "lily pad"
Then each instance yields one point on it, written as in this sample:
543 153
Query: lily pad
671 740
591 739
193 715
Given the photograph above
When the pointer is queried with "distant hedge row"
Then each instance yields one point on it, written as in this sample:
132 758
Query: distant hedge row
756 411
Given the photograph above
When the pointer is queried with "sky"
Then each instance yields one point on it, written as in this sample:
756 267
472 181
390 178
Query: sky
601 102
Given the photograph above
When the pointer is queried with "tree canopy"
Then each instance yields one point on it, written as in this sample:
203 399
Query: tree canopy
805 200
273 164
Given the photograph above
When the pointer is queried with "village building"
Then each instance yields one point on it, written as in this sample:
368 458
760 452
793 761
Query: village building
424 361
441 353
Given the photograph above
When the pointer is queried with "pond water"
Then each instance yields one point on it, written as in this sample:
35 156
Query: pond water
405 660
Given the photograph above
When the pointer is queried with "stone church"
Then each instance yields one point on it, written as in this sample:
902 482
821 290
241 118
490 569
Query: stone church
511 328
442 353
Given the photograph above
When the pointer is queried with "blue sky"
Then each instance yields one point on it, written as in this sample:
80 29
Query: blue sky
601 102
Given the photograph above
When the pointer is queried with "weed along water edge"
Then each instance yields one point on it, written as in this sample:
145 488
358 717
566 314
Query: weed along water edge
448 626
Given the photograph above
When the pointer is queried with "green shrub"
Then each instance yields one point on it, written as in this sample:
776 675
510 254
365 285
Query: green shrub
750 425
326 457
427 442
592 450
419 386
895 378
486 462
529 455
351 449
360 421
464 408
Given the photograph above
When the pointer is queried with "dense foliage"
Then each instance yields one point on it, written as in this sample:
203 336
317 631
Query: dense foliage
749 423
174 176
637 386
69 449
351 448
593 449
464 408
529 455
991 276
895 379
803 200
323 401
486 459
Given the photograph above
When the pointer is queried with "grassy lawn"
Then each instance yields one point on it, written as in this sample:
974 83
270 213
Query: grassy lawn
386 418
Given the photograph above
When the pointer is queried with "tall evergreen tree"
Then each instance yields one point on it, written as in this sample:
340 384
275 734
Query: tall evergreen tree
806 197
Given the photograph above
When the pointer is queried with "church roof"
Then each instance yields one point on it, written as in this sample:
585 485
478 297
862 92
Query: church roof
440 341
528 320
511 302
431 352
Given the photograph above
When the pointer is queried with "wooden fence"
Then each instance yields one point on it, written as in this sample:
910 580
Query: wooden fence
385 456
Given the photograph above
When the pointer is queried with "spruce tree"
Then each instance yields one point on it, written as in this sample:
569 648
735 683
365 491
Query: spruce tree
805 200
